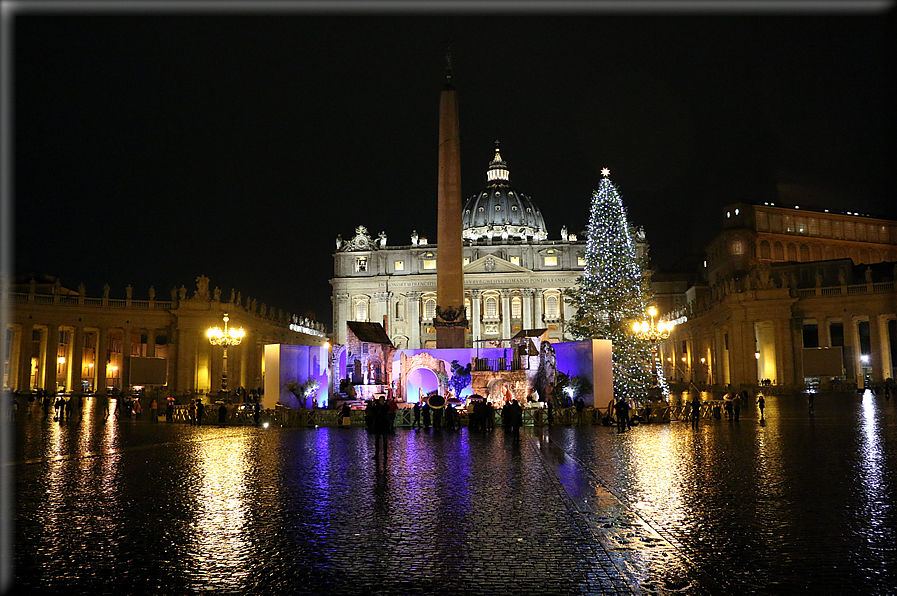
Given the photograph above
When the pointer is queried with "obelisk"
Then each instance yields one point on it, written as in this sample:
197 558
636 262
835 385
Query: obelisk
450 320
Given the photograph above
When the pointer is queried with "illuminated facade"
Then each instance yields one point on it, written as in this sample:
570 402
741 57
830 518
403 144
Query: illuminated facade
514 276
781 282
60 338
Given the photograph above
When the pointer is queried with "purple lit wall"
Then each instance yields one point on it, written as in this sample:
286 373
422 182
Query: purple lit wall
287 363
590 359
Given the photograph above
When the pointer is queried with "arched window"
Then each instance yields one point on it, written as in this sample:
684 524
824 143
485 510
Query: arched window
551 307
778 252
491 305
764 250
792 251
816 252
804 253
516 307
430 309
400 310
467 308
361 310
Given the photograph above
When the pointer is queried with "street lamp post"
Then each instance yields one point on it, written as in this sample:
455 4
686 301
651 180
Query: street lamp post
226 338
654 331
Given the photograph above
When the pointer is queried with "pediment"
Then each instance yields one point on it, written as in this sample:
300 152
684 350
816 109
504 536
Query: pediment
493 264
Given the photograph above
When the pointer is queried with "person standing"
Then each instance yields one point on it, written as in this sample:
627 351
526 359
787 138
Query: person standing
222 415
416 411
138 409
169 411
380 426
761 403
580 406
437 418
154 410
550 414
392 408
810 401
425 410
736 406
191 411
695 412
515 413
622 412
200 409
257 410
489 415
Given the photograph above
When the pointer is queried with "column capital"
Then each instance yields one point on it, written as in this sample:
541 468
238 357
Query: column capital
475 293
342 297
413 295
505 293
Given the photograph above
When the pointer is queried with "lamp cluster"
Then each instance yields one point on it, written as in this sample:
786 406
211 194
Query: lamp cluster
652 330
226 337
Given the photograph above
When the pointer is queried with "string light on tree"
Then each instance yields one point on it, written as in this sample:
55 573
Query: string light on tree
613 290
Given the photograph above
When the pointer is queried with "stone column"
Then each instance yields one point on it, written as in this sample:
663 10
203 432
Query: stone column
505 313
102 356
23 364
125 375
381 308
413 305
187 340
538 322
76 352
475 308
51 348
528 307
885 347
150 343
878 334
339 323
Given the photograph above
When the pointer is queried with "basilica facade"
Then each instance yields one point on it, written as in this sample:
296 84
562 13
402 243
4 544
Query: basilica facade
514 274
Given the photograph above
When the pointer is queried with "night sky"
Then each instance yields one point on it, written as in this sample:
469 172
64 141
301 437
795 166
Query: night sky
151 148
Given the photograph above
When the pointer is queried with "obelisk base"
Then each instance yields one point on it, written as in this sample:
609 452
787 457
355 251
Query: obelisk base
450 337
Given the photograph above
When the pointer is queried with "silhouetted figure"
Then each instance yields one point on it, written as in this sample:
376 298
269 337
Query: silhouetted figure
380 425
425 411
437 417
489 415
257 410
761 403
200 410
346 415
222 416
810 401
169 412
515 414
622 413
416 411
154 410
736 406
695 412
580 406
550 414
191 412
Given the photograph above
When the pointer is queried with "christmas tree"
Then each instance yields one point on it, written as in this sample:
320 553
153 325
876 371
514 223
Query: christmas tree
614 291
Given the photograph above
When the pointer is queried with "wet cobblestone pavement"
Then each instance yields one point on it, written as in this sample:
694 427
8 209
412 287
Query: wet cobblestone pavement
800 505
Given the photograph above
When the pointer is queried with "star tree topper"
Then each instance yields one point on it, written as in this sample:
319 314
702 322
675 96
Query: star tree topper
605 172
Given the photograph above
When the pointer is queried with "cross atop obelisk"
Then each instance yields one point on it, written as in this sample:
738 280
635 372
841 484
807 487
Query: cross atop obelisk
450 320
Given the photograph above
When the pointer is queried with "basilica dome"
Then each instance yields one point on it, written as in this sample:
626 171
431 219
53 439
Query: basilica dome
500 211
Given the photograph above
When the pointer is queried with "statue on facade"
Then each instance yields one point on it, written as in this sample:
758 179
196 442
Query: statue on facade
784 278
202 287
82 289
174 294
818 279
183 293
263 310
240 298
339 241
233 296
868 275
254 305
152 293
129 291
414 237
564 235
382 239
841 279
217 293
105 290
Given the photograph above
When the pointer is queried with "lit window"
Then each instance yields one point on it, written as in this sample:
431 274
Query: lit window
581 261
361 264
430 309
430 264
551 261
400 265
465 261
491 307
737 247
515 260
551 307
516 307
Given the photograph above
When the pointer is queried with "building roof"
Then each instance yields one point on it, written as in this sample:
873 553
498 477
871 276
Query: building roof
501 211
369 332
530 333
